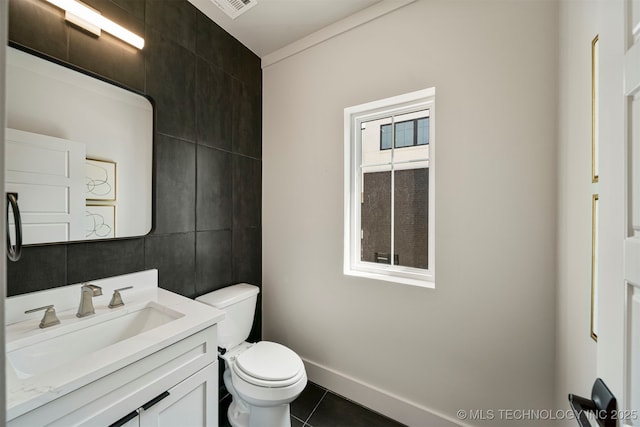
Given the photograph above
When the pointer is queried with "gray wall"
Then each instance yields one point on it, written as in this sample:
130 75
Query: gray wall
485 336
207 148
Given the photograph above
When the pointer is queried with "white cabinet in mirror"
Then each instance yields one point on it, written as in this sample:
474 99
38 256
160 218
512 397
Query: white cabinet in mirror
79 153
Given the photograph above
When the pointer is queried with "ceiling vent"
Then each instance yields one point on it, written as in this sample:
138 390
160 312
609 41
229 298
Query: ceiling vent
235 8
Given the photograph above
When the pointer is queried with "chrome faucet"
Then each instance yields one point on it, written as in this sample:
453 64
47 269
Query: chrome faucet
87 292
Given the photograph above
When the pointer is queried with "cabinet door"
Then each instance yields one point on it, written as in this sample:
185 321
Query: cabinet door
133 422
191 403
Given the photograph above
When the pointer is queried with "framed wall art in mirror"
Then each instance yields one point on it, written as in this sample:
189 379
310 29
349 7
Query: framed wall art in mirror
100 179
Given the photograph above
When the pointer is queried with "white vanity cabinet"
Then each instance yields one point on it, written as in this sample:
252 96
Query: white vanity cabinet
153 361
187 370
193 402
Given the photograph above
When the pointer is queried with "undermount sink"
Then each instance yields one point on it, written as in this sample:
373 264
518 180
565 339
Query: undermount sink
65 345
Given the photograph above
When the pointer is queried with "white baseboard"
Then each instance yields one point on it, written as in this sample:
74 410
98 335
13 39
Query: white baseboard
401 410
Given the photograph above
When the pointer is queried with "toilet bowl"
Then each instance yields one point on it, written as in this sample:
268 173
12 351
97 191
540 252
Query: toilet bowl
263 378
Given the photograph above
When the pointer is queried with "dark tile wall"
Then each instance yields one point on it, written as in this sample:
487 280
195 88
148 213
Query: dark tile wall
207 148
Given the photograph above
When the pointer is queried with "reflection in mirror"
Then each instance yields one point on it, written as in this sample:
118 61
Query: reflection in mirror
78 152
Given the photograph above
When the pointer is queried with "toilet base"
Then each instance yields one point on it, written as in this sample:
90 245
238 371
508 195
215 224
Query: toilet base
238 414
256 416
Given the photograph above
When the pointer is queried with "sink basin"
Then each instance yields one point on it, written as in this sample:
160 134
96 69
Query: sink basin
65 345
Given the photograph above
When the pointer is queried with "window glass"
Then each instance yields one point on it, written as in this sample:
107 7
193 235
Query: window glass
389 189
423 131
404 134
395 191
411 214
385 137
376 217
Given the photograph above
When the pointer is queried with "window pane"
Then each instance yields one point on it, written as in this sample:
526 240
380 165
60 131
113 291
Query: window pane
372 140
404 134
385 137
423 131
376 217
411 204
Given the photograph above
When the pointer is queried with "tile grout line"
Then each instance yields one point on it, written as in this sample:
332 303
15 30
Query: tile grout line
298 419
306 422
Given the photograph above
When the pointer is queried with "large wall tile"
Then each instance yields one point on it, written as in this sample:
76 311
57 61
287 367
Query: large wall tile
175 19
213 260
135 7
247 267
214 203
247 68
118 13
247 255
213 106
40 267
247 192
214 44
171 72
39 26
175 185
97 260
174 257
247 121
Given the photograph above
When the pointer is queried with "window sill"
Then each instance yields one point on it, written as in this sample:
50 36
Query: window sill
426 282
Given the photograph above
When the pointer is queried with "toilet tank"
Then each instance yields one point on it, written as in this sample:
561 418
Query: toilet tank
239 305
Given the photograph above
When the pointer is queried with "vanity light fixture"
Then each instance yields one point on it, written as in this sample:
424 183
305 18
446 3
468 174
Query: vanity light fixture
92 21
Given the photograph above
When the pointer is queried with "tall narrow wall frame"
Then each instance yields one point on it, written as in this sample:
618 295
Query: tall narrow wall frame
595 177
595 145
594 267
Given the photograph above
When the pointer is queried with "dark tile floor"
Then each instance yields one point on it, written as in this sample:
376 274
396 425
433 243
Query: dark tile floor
319 407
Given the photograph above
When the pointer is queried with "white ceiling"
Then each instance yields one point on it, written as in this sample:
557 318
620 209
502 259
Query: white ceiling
271 25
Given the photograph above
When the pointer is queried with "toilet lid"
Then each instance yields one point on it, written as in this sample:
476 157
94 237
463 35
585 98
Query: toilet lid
270 362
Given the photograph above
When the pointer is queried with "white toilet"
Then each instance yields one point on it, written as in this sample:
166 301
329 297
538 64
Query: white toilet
263 378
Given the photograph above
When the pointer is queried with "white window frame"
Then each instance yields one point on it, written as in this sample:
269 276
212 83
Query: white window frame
353 117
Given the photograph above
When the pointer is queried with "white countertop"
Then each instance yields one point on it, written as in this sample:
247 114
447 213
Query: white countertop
25 394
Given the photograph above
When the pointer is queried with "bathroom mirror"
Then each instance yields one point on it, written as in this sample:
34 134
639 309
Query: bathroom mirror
79 153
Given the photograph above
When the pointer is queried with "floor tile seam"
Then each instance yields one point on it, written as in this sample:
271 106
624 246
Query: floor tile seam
315 407
302 421
366 408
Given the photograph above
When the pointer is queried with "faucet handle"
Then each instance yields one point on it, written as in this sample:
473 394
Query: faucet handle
49 318
116 299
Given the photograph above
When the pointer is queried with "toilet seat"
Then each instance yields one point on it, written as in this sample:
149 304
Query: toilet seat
269 364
